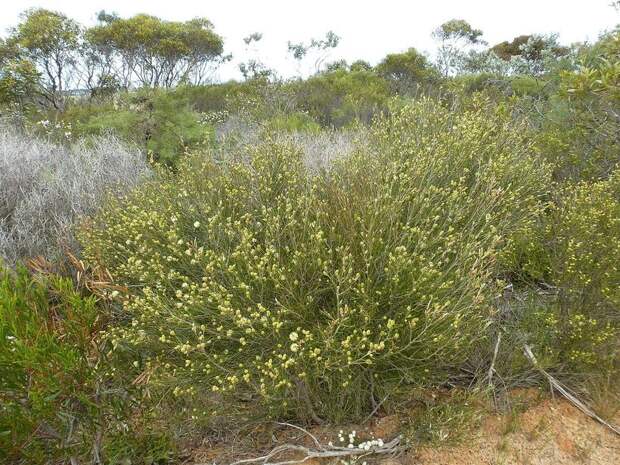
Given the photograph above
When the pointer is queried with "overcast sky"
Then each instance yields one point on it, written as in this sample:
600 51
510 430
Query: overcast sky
369 29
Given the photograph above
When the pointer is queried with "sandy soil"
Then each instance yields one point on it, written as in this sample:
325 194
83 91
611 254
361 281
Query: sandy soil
551 432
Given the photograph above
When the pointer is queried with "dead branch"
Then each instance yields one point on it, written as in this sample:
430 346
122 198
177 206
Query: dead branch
527 350
321 451
492 367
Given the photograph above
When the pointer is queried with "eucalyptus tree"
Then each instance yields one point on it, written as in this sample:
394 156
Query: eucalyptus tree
454 37
408 70
148 51
19 78
318 50
253 67
51 42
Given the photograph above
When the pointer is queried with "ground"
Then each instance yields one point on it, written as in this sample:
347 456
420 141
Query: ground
550 433
547 432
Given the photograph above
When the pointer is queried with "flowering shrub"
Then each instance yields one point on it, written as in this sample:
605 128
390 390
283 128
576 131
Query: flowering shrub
586 240
305 294
583 239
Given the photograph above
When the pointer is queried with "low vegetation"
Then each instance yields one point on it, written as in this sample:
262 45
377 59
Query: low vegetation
46 188
186 262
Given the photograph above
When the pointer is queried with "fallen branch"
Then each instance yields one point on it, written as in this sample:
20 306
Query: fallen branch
322 451
555 384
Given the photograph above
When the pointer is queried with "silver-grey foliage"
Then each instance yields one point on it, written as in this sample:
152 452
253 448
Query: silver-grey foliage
46 188
321 149
236 135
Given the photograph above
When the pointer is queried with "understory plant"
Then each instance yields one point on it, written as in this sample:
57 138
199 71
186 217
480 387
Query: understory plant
583 237
48 356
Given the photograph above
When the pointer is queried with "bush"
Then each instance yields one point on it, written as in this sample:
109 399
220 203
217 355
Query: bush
585 236
581 129
161 123
47 359
45 188
294 122
339 98
573 248
291 294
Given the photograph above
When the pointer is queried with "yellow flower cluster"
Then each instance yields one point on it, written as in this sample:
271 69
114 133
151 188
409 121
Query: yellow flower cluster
306 292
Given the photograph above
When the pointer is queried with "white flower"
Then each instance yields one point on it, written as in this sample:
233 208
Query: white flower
294 347
293 336
114 294
197 224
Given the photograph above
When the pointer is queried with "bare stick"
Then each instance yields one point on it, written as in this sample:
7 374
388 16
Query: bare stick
322 451
492 367
527 350
316 441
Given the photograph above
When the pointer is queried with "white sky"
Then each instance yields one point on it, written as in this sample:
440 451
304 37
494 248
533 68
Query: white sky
369 29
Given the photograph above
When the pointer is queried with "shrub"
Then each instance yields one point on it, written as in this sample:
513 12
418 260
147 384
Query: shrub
574 248
341 97
408 71
585 236
45 188
581 130
47 389
572 252
162 123
294 122
292 293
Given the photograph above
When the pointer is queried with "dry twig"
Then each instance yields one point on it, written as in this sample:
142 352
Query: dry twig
320 451
527 350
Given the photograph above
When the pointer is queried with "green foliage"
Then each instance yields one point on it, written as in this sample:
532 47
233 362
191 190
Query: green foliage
162 123
310 293
530 47
341 97
444 420
50 40
47 33
573 248
581 130
157 53
408 70
18 82
149 447
317 47
586 238
47 361
294 122
263 282
458 29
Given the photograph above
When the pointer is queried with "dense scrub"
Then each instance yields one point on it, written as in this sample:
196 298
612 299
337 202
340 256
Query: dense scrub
307 250
45 188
